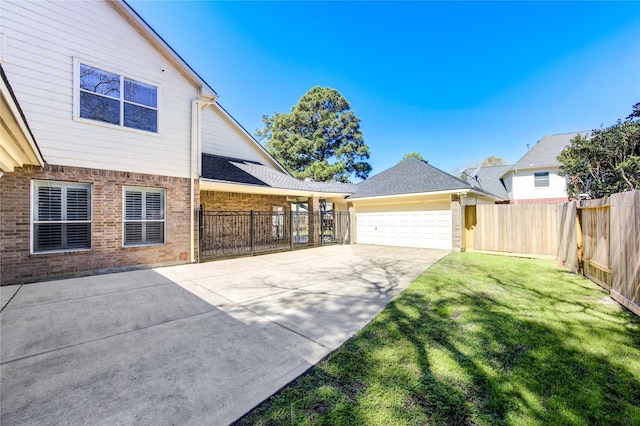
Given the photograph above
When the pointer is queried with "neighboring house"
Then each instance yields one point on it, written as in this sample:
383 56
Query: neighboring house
489 179
534 179
414 204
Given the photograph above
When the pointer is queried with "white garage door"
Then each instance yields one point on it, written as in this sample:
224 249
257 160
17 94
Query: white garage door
425 229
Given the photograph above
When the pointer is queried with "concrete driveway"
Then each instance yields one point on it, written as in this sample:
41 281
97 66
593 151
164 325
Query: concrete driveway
191 344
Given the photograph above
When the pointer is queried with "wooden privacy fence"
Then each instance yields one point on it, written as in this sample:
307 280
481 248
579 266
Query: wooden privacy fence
606 248
600 238
511 228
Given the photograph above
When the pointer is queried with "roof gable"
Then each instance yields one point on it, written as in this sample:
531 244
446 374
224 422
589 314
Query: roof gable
411 176
545 152
154 39
489 179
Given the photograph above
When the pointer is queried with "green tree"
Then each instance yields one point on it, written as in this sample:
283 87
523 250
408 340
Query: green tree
604 163
319 139
492 161
413 154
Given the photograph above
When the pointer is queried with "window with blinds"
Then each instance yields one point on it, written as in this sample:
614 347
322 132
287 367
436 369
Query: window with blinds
61 216
144 216
541 179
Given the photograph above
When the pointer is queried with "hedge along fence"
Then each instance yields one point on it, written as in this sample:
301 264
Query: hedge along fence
600 238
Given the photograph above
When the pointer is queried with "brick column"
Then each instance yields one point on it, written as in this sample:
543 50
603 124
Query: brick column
313 206
456 223
352 222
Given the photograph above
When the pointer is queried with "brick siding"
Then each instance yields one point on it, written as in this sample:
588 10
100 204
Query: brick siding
541 201
235 201
456 223
18 265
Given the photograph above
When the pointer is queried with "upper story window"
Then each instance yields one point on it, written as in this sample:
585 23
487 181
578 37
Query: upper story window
116 99
541 179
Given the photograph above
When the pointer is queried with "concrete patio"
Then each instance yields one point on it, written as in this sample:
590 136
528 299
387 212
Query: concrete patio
190 344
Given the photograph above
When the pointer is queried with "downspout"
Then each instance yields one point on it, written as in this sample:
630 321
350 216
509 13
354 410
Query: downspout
196 146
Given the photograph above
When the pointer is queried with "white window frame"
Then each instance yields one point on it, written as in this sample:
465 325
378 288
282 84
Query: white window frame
35 183
541 177
76 98
144 220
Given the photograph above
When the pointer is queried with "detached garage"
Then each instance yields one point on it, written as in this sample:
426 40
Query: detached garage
413 204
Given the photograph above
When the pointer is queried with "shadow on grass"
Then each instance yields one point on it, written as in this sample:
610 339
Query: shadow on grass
453 349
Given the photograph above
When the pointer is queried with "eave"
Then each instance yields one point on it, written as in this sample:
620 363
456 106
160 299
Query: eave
216 185
18 146
431 194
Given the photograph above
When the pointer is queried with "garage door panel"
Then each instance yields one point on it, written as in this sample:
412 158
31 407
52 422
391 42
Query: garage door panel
426 229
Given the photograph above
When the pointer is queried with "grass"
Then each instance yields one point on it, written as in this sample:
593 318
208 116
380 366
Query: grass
478 339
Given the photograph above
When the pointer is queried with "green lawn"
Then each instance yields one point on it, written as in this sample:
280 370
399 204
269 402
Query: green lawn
478 339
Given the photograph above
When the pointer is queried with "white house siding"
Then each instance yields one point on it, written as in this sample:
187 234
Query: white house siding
524 187
222 137
43 38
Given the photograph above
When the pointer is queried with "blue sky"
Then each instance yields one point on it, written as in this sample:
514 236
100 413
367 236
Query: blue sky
455 81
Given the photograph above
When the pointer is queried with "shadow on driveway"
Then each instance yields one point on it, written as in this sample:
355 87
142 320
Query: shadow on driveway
137 347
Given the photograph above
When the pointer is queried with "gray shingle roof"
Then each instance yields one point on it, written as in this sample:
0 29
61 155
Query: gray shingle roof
408 177
488 180
544 153
235 170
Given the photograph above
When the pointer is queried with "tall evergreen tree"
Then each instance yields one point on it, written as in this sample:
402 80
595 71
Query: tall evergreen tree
319 139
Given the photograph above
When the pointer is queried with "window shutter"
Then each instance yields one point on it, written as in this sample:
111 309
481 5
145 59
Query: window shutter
49 203
133 205
78 235
78 204
48 236
155 232
132 233
154 206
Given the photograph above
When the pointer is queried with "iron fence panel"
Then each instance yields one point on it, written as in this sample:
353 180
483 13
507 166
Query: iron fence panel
233 233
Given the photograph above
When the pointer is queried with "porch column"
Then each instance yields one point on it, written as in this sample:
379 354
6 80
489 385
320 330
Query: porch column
352 222
313 208
456 223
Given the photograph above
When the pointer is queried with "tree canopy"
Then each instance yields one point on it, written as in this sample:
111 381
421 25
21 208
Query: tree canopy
413 154
606 162
319 139
492 160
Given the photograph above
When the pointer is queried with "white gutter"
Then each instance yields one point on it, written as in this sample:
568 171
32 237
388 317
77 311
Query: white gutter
196 143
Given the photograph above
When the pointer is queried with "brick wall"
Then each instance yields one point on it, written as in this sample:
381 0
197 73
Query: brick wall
235 201
17 264
456 223
541 201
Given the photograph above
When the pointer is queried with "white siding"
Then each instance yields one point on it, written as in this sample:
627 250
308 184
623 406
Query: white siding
221 137
42 40
524 186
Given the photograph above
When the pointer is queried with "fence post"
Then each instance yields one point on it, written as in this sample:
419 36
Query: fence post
290 230
251 232
200 232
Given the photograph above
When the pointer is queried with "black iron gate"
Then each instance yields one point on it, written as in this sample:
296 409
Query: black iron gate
232 233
